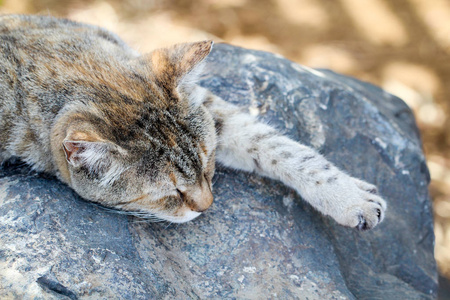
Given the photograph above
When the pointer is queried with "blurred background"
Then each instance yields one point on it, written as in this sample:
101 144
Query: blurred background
400 45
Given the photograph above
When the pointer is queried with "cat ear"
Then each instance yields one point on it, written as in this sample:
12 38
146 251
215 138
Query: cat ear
175 65
84 153
97 157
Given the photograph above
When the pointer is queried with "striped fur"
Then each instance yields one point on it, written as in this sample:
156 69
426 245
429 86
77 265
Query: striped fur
134 132
123 130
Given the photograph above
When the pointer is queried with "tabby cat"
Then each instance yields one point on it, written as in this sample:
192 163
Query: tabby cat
135 133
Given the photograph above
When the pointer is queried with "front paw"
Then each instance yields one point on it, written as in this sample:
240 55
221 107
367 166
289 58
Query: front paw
363 208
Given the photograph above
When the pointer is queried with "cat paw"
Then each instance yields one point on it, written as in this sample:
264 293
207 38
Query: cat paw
362 208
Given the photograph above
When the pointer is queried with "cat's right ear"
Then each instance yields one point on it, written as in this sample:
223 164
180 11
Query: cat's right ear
172 65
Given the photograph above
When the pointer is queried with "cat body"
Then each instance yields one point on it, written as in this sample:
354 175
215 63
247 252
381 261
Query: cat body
134 132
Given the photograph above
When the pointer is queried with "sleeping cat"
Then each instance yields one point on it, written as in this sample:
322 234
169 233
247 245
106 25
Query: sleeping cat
135 133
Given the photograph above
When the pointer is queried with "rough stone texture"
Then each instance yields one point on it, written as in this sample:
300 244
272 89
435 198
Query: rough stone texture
259 240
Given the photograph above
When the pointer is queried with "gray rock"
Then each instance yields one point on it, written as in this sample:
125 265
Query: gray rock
259 240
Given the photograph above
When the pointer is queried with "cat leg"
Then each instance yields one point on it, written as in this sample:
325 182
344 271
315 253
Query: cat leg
246 144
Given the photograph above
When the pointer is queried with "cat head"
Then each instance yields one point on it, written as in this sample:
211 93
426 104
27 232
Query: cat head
147 148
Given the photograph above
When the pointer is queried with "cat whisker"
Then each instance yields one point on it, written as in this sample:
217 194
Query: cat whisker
141 220
215 178
170 223
143 216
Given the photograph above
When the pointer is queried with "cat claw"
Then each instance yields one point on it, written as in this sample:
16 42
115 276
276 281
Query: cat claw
362 225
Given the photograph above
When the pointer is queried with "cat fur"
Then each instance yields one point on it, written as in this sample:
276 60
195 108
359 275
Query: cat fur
136 133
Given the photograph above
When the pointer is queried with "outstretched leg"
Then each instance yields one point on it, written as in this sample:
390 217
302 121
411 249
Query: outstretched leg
246 144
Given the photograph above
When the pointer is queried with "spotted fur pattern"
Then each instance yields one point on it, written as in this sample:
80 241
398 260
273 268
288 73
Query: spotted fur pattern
135 133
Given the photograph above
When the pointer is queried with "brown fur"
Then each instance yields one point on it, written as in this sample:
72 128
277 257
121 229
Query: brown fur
111 124
134 132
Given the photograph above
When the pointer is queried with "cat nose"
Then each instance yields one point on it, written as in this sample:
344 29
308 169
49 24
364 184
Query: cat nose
203 202
202 197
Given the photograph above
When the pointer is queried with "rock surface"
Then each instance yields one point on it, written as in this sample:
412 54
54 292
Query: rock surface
259 240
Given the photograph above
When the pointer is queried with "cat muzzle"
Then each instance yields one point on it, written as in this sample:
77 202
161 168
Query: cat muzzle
201 196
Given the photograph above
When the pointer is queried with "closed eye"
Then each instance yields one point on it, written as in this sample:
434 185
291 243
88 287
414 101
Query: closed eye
208 176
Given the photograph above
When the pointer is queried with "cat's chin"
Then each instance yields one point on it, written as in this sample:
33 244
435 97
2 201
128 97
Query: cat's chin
188 216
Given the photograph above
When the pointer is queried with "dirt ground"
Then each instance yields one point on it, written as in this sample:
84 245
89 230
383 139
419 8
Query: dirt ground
401 45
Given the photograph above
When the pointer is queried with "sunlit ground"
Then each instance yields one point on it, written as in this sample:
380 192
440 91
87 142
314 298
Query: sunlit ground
401 45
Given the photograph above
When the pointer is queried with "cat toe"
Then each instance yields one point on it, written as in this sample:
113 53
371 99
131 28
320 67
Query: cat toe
362 225
367 187
372 215
377 200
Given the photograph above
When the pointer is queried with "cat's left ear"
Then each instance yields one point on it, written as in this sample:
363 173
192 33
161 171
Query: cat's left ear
179 64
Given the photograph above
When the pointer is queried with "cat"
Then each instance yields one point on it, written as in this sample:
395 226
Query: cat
136 133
